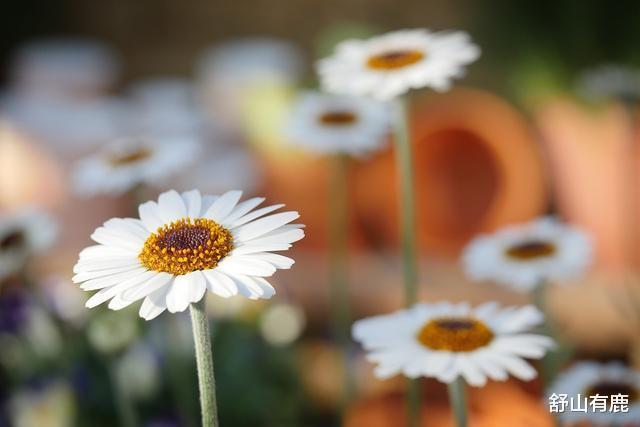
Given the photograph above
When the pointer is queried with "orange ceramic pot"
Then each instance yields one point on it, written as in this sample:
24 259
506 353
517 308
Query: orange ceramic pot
477 167
593 160
496 405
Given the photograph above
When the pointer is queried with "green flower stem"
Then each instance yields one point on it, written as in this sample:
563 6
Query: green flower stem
458 401
404 167
338 254
204 360
552 361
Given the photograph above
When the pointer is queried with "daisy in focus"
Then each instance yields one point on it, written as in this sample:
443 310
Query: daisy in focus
446 341
23 235
588 379
127 162
389 65
329 124
526 255
182 246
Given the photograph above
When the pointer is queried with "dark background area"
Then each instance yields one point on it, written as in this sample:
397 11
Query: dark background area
166 36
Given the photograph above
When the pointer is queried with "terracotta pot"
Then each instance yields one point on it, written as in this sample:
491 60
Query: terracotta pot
590 155
302 182
496 405
477 167
29 176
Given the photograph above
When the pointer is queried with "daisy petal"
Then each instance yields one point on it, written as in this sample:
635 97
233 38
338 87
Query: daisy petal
223 206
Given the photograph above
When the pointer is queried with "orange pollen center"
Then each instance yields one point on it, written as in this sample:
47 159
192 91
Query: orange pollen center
455 334
186 245
130 157
609 389
395 59
532 249
337 118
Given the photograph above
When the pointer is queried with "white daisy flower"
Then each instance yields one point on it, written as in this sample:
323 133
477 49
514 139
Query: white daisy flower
338 124
446 341
523 256
22 235
389 65
611 81
588 379
183 245
127 162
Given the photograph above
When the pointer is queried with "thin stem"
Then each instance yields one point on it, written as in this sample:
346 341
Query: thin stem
338 254
547 364
404 166
458 401
204 361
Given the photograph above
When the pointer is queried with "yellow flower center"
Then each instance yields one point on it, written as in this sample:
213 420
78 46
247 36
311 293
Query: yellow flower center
186 245
455 334
134 156
610 388
337 118
395 59
14 239
530 250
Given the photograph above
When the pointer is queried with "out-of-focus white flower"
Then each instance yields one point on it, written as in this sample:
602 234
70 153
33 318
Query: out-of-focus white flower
127 162
338 124
23 235
219 169
281 324
138 372
166 106
41 333
111 333
245 61
611 81
525 255
183 245
235 76
48 405
446 341
389 65
65 300
584 380
64 68
68 127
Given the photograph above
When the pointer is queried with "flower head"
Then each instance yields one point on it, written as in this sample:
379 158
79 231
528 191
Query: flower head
445 341
338 124
523 256
183 245
22 235
127 162
585 380
389 65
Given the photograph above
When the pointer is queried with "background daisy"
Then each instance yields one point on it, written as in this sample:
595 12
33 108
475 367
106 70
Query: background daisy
338 124
183 245
127 162
523 256
22 235
446 341
386 66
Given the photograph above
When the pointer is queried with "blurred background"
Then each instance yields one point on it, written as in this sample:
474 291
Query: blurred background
523 135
